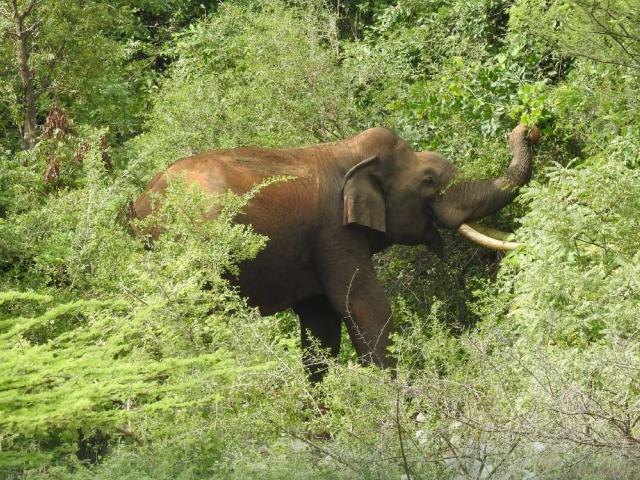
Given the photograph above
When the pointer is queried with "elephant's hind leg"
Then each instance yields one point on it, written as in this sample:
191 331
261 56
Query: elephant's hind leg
319 325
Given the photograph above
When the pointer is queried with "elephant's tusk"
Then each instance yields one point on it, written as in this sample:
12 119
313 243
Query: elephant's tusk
484 236
490 232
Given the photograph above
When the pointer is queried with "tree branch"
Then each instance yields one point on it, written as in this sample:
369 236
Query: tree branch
15 11
602 60
27 11
607 31
405 464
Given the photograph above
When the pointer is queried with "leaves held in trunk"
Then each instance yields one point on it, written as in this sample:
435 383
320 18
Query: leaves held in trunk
534 135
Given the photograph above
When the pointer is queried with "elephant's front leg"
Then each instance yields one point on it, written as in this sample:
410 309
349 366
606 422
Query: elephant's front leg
355 292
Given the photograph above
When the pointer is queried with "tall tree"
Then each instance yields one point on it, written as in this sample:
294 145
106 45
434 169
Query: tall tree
22 26
100 59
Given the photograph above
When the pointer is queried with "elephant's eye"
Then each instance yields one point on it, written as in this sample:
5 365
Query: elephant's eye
428 180
428 186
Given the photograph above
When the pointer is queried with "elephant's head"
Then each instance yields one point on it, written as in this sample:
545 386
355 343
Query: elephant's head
407 194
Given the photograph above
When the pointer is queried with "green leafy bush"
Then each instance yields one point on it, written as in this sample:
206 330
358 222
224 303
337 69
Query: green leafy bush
114 332
124 358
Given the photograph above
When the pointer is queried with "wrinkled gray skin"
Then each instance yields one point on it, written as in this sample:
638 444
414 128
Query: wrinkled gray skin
349 200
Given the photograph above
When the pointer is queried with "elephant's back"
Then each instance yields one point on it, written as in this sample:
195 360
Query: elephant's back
241 169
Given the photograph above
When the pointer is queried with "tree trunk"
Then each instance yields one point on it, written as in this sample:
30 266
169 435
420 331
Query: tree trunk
21 35
29 129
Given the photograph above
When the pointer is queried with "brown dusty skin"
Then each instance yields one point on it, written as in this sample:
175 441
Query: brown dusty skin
348 200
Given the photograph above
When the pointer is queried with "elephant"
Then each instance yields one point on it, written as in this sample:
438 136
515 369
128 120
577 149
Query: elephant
347 200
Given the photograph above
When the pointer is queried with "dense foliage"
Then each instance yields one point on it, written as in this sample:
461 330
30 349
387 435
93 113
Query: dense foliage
120 361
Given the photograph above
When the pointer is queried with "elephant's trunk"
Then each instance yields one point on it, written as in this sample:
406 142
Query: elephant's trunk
469 201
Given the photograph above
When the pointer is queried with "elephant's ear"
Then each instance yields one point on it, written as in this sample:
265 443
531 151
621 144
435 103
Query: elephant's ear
363 200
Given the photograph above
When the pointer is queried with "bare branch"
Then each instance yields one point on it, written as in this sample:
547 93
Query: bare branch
607 30
634 66
27 11
15 11
504 458
405 464
622 26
